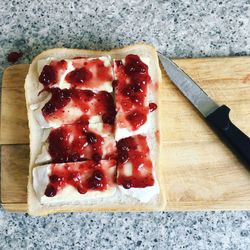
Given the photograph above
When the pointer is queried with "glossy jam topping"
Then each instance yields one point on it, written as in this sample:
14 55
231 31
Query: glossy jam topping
137 118
89 73
50 190
81 157
51 73
134 66
152 106
131 91
78 76
83 176
71 143
59 99
68 106
13 57
134 163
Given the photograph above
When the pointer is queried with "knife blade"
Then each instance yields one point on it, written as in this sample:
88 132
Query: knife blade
188 87
216 116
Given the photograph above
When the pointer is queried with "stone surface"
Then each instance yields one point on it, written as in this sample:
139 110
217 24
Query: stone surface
186 28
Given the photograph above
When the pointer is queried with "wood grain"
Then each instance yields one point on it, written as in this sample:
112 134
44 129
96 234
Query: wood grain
200 172
14 125
14 173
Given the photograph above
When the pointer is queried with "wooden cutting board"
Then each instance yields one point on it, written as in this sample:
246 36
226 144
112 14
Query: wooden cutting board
200 172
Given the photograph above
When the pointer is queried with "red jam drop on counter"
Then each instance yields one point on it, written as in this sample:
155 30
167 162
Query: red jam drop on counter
83 176
134 150
71 143
131 90
89 103
152 106
14 56
51 73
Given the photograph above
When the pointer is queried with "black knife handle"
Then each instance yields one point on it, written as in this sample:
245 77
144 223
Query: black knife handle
230 134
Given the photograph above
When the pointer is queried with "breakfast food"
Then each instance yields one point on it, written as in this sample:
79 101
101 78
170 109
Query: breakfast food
79 72
93 119
75 142
67 106
131 87
73 182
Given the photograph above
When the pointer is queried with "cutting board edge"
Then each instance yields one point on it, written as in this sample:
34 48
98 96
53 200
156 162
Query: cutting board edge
22 208
244 205
11 207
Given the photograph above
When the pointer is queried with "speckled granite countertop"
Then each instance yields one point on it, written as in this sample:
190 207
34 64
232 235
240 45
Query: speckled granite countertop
177 28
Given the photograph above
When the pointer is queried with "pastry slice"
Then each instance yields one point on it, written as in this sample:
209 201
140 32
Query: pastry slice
77 142
80 72
68 106
133 87
136 174
74 182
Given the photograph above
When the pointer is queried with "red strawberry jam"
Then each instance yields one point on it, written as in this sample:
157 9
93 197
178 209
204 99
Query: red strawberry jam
134 150
50 190
68 106
131 91
89 73
136 118
152 106
97 180
59 99
78 76
71 143
51 73
83 176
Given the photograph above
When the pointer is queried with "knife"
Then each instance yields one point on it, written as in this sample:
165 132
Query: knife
216 116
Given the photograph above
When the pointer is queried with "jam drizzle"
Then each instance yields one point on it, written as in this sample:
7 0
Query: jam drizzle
83 176
78 77
51 73
134 151
87 73
71 143
131 90
152 106
85 103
